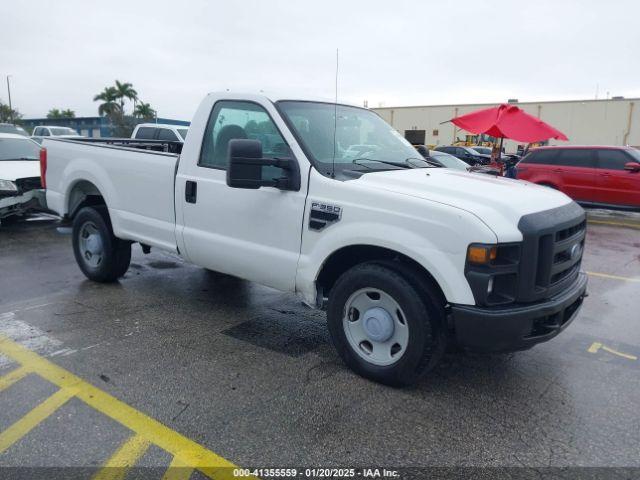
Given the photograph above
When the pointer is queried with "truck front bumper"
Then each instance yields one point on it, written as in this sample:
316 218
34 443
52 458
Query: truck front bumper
505 329
21 204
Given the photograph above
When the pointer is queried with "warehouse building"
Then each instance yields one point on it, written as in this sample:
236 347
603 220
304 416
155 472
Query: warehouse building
614 121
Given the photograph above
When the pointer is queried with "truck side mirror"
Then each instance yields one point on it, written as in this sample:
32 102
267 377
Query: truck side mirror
245 167
632 166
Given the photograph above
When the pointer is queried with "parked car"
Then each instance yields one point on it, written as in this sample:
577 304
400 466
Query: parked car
449 161
44 131
160 131
503 156
19 175
466 154
404 257
592 175
11 128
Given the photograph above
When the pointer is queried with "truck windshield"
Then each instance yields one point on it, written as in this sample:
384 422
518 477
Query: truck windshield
363 141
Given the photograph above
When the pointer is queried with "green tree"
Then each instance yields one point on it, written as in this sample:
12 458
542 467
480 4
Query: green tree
125 90
8 115
56 113
109 99
144 110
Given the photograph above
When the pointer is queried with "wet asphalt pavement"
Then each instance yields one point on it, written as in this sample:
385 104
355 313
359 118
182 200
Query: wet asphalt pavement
249 372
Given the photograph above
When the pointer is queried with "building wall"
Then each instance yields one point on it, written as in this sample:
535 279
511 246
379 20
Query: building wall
585 122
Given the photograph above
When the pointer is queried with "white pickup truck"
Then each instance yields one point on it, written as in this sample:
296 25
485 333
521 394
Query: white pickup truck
330 202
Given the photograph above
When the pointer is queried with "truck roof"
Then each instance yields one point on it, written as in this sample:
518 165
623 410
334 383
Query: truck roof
276 97
161 125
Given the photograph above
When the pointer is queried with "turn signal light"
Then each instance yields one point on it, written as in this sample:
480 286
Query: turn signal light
481 254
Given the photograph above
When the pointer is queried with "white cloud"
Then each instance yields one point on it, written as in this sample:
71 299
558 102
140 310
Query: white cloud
62 53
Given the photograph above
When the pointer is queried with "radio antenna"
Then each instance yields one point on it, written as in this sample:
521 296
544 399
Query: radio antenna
335 120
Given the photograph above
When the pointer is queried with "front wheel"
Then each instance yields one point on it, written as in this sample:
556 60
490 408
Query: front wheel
100 255
385 326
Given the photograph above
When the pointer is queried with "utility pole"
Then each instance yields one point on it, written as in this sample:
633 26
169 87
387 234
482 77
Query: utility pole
9 92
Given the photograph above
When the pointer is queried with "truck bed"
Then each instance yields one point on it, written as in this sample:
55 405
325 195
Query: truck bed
136 181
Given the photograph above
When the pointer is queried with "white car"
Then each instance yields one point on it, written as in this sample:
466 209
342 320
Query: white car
160 131
19 175
46 131
405 257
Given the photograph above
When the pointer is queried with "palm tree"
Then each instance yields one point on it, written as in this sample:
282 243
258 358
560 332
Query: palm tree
57 113
125 90
144 110
109 97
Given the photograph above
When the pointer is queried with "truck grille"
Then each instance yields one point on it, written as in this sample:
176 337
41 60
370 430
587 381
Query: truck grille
553 242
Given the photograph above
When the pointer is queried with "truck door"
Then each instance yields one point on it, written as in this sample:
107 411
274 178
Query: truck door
252 234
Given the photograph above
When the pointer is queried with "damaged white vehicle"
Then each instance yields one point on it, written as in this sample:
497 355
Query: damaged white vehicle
20 187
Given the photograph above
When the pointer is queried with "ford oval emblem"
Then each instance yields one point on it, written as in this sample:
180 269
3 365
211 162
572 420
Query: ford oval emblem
575 252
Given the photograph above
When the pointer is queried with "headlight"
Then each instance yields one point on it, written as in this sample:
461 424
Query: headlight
492 272
7 186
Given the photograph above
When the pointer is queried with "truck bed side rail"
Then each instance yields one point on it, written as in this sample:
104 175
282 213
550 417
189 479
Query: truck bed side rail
154 145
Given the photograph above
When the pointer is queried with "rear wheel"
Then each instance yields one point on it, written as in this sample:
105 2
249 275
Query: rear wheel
384 326
100 255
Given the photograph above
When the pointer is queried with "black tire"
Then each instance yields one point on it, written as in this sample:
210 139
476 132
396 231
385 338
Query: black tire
423 311
116 253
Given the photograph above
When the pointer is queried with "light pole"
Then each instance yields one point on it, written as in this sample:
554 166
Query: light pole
9 93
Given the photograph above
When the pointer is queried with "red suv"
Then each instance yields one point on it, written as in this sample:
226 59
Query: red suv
599 176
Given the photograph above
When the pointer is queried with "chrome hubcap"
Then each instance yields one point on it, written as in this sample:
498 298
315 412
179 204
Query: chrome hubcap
91 246
375 326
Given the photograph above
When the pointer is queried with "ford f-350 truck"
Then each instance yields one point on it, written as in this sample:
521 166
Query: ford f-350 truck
328 201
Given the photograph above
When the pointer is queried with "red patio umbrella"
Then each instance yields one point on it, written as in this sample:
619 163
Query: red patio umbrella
508 121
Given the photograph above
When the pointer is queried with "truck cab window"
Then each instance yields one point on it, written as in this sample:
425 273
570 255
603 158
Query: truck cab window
237 120
167 135
145 133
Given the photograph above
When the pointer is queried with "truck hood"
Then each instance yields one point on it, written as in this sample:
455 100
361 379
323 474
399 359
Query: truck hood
15 169
499 202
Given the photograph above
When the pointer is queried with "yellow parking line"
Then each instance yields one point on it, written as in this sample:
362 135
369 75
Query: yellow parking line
613 277
190 452
616 224
27 423
595 346
13 376
123 459
178 470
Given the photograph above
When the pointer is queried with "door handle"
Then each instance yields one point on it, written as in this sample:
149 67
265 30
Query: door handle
190 191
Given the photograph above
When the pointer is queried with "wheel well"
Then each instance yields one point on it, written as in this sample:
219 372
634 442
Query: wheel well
83 194
347 257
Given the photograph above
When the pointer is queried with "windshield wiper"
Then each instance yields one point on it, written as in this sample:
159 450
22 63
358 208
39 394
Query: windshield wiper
387 162
428 161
